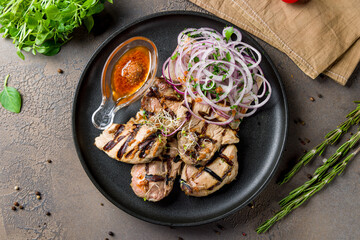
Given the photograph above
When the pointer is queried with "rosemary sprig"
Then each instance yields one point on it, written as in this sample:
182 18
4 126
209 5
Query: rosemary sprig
330 138
297 202
319 172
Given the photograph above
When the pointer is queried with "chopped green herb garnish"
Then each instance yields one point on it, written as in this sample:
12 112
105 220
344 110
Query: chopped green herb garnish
240 89
196 59
228 33
228 57
216 70
173 57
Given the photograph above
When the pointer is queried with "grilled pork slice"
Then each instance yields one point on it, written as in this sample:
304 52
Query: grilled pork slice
198 141
132 142
202 181
161 96
153 181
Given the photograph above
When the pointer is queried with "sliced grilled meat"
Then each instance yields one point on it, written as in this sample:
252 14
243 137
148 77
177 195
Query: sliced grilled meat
203 180
132 142
161 96
153 181
198 141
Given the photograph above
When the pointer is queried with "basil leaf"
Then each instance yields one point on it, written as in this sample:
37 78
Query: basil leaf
89 22
49 48
95 9
53 13
10 98
20 54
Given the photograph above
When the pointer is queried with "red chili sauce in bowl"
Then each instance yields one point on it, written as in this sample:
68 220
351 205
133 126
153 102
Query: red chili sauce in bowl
130 72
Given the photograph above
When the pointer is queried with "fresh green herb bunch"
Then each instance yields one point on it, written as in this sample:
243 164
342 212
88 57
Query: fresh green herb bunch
323 174
45 25
330 138
299 200
320 171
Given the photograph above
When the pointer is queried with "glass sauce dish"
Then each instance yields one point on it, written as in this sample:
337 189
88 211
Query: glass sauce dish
128 72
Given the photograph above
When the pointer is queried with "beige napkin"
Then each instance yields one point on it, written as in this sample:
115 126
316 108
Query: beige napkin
320 36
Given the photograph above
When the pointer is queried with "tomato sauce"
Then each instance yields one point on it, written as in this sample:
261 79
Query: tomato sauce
130 72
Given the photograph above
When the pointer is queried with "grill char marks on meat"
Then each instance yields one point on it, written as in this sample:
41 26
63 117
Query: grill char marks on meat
117 139
161 96
153 181
147 144
153 178
132 142
203 180
131 136
204 139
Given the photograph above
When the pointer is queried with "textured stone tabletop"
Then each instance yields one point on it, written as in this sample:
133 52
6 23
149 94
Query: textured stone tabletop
77 210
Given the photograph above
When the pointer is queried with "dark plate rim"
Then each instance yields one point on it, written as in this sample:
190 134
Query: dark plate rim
139 216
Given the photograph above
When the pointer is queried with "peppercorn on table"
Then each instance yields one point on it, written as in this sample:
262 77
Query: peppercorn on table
46 194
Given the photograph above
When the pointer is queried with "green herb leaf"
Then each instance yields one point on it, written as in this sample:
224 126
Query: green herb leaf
49 48
53 13
20 54
173 57
228 57
89 23
10 98
95 9
196 59
228 33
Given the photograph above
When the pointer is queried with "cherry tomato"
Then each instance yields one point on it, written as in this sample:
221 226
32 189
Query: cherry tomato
290 1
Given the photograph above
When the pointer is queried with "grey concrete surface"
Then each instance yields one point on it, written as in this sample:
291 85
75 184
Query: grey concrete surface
43 131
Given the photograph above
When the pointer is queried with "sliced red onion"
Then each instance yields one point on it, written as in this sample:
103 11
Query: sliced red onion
205 61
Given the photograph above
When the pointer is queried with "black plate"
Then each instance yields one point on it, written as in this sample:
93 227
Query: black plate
262 136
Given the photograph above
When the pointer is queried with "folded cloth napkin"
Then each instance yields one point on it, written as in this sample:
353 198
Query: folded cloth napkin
320 36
